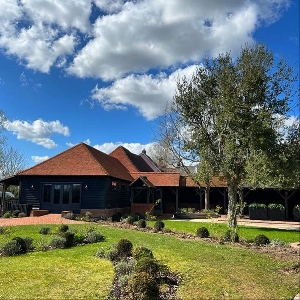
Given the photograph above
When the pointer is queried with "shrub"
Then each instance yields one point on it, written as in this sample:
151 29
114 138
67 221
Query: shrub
22 215
88 216
44 230
29 243
62 228
140 252
231 236
112 254
15 213
116 217
261 239
147 265
142 223
79 238
69 216
159 225
130 220
21 243
276 206
257 205
7 214
94 237
125 267
143 287
3 229
124 248
10 248
70 241
58 242
100 253
202 232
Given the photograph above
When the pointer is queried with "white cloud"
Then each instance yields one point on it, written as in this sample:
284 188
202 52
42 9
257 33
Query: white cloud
135 148
149 94
38 132
39 159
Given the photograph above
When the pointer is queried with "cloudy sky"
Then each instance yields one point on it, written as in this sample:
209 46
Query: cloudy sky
102 71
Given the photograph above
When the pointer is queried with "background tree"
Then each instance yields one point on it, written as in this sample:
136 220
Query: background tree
233 111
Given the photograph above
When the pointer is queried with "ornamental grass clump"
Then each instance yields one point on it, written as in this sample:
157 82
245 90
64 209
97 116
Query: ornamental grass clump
202 232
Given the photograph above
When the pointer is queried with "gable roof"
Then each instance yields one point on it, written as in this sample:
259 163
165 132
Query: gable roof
132 162
80 160
160 178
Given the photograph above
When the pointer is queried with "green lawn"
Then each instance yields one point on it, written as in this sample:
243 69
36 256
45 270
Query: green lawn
210 271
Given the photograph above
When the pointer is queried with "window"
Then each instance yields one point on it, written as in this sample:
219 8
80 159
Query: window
47 193
76 193
66 194
56 196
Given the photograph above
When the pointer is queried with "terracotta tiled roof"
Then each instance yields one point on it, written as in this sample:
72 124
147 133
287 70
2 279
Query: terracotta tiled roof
80 160
215 182
159 178
132 162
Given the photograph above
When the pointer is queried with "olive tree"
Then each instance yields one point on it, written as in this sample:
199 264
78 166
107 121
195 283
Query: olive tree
233 110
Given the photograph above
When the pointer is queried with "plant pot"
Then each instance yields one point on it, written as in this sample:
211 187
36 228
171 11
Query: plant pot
276 214
296 214
258 214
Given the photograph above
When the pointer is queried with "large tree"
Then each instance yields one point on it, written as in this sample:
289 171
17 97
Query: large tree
234 110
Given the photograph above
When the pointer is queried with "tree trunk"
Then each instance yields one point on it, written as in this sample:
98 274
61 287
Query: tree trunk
207 194
232 200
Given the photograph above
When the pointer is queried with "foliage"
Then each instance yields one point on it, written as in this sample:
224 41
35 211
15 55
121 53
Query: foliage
261 239
70 239
79 238
15 213
257 205
23 246
149 217
116 217
229 116
142 223
3 229
159 225
125 267
231 236
94 237
147 265
140 252
58 242
10 248
62 228
202 232
22 215
142 286
130 220
7 214
297 207
69 216
112 254
276 206
44 230
88 216
124 248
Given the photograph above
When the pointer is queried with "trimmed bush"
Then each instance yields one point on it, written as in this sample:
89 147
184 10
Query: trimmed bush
44 230
147 265
116 217
21 243
231 236
140 252
261 239
28 242
58 242
70 240
143 287
10 248
142 223
202 232
124 248
159 225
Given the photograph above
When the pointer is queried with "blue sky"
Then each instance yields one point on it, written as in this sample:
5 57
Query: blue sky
102 71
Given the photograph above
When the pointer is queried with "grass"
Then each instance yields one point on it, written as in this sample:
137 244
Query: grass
210 271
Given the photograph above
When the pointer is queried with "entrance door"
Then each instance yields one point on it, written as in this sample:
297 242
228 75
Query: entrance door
61 197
